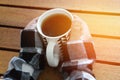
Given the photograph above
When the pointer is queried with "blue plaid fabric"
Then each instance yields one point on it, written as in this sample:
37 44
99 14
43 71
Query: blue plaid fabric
31 60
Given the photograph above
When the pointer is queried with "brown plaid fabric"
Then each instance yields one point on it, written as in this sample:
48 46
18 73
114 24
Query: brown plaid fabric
77 56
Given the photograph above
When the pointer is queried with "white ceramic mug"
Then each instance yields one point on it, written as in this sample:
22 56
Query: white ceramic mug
52 57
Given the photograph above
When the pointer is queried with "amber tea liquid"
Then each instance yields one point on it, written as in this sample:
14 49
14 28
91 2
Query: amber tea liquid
55 25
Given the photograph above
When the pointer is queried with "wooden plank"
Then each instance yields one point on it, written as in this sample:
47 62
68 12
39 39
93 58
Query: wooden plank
102 24
98 24
17 16
5 57
106 49
84 5
106 72
10 38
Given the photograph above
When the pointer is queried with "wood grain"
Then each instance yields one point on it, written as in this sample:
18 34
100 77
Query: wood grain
106 49
106 72
82 5
10 38
5 57
17 16
98 24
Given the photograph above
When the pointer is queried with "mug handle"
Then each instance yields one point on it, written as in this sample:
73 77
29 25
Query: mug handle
52 58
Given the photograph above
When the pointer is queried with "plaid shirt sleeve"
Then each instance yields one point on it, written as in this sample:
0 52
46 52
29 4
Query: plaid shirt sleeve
31 58
77 60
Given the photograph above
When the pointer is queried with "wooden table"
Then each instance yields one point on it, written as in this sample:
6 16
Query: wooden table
102 17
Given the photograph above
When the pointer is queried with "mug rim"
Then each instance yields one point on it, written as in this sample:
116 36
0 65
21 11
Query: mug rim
48 13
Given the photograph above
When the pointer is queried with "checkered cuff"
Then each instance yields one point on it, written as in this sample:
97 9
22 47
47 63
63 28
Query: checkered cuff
18 69
77 56
32 48
80 75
